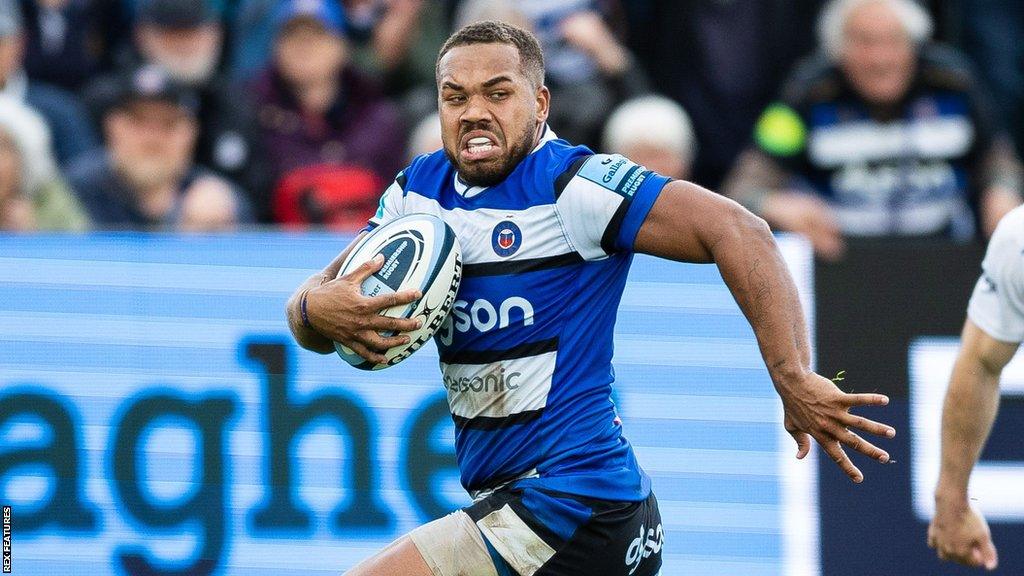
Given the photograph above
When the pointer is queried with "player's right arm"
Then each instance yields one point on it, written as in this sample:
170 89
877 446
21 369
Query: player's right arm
608 204
958 532
326 309
991 336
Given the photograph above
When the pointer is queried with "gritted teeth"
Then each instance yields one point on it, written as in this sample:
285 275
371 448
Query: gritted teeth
479 141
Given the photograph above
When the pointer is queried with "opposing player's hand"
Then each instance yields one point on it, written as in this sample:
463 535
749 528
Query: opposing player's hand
816 408
958 533
338 310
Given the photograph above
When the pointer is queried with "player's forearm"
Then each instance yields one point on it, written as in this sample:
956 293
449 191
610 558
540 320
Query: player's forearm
306 336
752 266
967 416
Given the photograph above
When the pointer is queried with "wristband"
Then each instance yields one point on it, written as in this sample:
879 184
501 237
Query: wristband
302 310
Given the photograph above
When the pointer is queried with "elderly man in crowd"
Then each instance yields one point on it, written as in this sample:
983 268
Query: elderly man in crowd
886 135
146 178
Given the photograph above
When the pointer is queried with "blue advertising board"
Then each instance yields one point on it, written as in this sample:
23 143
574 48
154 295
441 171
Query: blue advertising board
157 419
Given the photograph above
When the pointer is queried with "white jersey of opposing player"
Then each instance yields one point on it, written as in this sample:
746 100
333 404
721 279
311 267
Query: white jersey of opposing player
997 305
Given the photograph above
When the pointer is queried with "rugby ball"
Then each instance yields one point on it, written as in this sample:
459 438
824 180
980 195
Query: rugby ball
421 253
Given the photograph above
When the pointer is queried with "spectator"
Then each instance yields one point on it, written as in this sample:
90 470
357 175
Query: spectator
722 61
68 42
185 38
146 177
655 132
252 38
314 108
887 135
32 194
63 113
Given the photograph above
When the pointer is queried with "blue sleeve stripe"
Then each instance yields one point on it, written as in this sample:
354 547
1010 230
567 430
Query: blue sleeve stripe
637 210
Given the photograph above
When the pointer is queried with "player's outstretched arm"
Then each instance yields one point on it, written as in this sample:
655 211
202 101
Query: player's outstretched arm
691 224
325 309
958 532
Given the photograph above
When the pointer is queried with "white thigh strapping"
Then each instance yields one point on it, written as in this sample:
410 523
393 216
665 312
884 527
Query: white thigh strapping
453 546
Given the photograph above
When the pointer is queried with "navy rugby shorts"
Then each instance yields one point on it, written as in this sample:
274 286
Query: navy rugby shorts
568 535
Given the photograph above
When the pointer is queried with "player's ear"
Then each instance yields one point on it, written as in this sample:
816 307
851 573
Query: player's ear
543 103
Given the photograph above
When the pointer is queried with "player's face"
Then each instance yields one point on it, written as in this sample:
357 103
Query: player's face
491 114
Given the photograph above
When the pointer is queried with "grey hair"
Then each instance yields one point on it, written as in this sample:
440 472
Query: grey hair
916 21
654 120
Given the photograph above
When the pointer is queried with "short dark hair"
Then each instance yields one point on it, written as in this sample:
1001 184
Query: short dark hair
531 57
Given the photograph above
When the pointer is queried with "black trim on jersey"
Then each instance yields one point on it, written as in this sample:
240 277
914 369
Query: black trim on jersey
496 422
611 233
563 180
524 350
521 266
401 180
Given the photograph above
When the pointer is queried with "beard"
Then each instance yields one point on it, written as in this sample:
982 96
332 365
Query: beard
492 172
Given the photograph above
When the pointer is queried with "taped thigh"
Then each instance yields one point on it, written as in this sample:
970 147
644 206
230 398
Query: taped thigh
453 546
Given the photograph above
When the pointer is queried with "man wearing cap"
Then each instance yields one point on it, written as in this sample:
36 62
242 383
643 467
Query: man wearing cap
185 38
65 116
145 178
313 107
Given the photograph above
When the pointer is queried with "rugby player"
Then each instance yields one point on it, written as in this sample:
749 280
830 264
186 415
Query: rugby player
548 231
992 333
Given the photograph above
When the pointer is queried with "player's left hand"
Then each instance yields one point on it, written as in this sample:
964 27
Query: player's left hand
960 534
816 408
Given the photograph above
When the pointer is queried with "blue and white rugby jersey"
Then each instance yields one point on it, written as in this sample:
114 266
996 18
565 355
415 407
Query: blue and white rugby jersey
526 353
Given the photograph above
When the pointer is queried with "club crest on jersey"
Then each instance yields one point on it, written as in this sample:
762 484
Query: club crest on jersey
506 238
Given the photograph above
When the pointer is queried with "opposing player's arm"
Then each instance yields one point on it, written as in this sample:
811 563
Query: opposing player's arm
691 224
958 532
970 408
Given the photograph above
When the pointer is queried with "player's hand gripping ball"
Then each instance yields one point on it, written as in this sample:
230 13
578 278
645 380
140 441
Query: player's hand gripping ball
421 253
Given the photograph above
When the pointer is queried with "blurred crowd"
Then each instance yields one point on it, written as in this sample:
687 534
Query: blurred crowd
832 118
